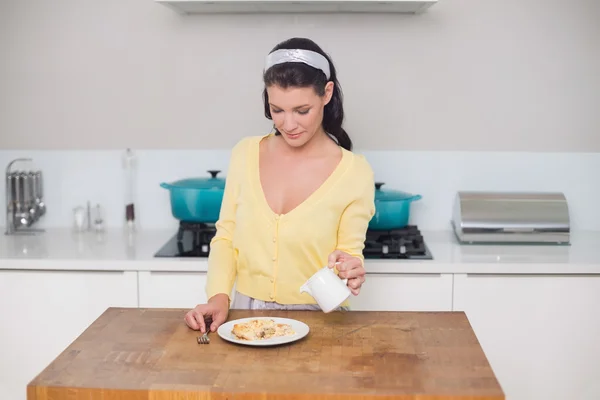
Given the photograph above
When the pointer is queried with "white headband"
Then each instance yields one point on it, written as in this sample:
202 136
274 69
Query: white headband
308 57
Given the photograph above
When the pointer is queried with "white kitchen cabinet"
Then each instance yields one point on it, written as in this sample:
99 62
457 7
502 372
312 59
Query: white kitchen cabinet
539 332
381 292
42 312
404 292
171 289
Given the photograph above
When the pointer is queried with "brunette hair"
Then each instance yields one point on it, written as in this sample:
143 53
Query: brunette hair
297 74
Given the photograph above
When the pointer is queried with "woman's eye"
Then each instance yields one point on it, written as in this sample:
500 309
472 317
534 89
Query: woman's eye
301 112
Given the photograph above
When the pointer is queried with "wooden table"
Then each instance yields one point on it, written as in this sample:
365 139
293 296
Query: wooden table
151 354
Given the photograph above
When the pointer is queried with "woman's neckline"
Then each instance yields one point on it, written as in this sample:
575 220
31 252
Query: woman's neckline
314 197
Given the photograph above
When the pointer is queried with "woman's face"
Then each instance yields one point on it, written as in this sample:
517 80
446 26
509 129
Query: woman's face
297 112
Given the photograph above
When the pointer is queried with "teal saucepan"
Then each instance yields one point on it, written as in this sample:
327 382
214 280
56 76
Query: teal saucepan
196 199
392 208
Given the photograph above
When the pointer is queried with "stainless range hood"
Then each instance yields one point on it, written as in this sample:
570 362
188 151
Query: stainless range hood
298 6
511 217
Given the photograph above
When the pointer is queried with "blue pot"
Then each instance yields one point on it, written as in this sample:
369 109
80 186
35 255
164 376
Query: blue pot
392 208
197 199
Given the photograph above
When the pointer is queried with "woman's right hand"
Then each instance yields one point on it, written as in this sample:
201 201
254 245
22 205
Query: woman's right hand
215 311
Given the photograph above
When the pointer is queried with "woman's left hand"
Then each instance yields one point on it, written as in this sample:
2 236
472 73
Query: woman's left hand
349 267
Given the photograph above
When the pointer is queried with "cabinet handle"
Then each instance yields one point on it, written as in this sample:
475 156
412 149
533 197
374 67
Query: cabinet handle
177 272
414 274
37 270
529 275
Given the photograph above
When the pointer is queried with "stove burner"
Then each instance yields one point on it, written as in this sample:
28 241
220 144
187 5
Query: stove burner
406 243
192 240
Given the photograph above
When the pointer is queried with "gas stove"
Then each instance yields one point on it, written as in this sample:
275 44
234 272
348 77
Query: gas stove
404 243
193 240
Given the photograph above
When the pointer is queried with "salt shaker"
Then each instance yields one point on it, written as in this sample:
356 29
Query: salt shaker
79 219
98 220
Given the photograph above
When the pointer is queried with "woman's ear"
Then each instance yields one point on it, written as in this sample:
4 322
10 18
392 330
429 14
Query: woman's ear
328 92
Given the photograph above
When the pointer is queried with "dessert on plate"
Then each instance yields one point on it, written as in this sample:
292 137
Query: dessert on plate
260 329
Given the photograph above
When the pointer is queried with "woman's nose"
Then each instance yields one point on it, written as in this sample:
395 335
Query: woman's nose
289 123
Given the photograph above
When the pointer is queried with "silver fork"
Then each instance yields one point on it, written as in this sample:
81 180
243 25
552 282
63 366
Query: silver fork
204 338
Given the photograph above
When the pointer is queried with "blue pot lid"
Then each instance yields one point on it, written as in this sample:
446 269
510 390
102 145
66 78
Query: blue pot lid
211 182
392 195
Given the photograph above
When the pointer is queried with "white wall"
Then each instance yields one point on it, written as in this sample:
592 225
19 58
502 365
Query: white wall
492 75
74 177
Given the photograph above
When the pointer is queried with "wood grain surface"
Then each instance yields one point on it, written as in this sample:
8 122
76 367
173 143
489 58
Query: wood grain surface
151 354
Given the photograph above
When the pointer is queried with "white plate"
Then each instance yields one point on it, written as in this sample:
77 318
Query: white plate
300 328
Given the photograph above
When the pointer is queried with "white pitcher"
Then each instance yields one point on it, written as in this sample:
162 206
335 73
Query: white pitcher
327 289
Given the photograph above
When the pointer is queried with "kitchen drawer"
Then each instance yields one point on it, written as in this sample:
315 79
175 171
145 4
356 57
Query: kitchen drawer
404 292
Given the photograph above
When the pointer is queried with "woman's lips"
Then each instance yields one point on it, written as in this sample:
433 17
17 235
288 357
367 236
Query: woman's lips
293 135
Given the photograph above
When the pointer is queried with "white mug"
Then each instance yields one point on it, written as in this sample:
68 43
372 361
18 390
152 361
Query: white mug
327 289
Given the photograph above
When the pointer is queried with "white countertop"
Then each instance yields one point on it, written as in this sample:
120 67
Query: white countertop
115 250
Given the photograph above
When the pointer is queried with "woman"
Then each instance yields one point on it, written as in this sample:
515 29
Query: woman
295 200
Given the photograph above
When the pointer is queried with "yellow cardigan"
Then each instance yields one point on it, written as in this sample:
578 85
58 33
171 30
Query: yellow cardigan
273 255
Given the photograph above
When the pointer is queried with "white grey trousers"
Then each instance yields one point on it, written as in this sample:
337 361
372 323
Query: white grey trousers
243 302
